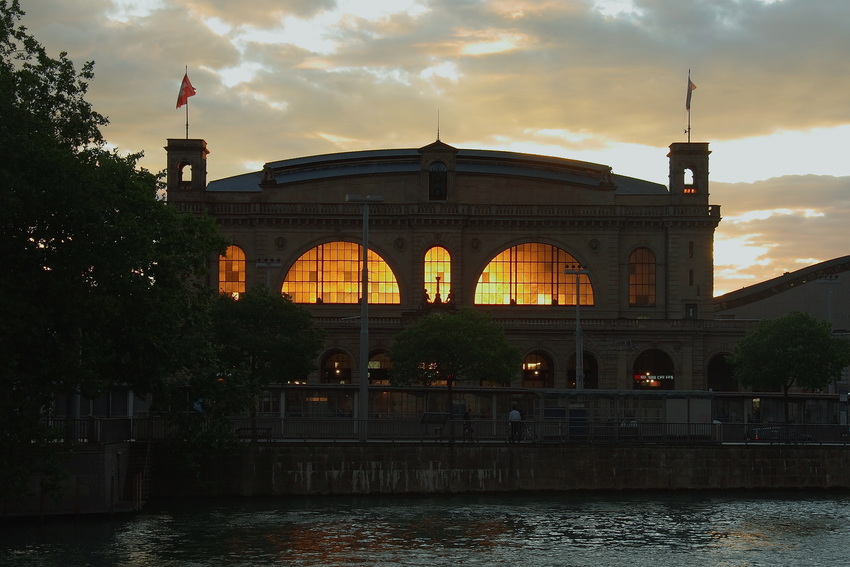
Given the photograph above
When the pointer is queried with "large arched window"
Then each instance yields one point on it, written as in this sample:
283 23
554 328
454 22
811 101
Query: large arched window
532 274
438 274
331 273
231 271
642 278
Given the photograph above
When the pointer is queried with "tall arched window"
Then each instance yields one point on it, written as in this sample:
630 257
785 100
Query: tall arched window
532 274
642 278
331 273
438 274
231 271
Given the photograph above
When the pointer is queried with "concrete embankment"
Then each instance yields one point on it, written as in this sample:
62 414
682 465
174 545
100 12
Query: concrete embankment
303 469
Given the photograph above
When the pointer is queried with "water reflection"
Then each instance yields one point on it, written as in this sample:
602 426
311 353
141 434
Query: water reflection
565 529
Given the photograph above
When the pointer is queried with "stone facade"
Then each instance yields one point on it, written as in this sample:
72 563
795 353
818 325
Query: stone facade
476 205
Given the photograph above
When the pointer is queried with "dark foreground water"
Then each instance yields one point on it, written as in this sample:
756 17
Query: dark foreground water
617 529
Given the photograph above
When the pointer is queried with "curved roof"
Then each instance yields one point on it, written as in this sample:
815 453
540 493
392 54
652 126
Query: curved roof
478 162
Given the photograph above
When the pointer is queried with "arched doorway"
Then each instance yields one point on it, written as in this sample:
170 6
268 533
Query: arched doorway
537 371
336 368
379 369
591 372
721 374
653 370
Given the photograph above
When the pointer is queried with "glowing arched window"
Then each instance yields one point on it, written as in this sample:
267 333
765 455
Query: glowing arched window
331 273
642 278
438 274
231 271
532 274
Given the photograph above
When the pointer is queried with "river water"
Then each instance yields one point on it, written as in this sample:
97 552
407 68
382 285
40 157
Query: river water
587 529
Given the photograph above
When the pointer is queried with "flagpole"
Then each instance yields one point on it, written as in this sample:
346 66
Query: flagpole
689 112
689 107
187 110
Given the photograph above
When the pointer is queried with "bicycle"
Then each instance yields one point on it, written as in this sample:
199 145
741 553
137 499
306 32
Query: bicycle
524 435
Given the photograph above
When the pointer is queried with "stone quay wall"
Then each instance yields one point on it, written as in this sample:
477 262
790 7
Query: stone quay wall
365 469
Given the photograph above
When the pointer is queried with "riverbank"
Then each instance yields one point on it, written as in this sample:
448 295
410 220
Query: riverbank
110 478
364 469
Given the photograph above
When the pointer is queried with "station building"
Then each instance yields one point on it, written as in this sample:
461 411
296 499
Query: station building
553 249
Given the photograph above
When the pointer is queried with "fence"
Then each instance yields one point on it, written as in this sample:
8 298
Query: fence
269 430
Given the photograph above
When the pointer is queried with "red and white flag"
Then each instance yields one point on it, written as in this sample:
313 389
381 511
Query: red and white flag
187 90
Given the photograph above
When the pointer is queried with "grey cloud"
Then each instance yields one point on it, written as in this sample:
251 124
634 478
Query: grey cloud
758 68
257 13
788 237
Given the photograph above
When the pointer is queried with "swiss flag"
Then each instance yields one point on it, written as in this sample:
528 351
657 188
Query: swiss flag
186 90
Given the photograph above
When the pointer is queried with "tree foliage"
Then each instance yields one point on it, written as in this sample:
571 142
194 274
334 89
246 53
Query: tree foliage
793 350
261 338
466 346
97 271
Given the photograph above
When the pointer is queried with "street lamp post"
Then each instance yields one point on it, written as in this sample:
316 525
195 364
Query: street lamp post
363 391
578 271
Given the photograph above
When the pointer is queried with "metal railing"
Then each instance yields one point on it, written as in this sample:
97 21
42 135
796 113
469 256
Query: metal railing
270 430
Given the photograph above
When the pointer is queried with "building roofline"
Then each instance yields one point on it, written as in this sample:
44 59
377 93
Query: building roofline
780 284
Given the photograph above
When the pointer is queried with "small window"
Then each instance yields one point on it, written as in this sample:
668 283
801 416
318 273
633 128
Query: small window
438 181
689 188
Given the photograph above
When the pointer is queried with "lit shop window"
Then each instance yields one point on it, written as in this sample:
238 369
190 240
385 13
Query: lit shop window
438 275
379 369
532 274
536 371
231 271
642 278
336 368
331 273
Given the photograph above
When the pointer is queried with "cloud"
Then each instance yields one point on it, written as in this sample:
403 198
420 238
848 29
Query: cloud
777 226
596 80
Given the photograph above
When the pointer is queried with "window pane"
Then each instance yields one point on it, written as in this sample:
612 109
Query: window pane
642 286
331 273
231 271
438 265
532 274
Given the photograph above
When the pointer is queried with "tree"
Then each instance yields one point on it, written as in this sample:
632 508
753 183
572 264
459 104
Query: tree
261 338
100 276
793 350
466 346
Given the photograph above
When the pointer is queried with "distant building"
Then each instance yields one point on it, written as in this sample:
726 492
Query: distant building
820 290
536 241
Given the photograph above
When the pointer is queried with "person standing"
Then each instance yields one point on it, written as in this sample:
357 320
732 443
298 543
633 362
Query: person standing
515 423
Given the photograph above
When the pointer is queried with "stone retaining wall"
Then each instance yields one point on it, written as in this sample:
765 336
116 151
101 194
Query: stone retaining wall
451 468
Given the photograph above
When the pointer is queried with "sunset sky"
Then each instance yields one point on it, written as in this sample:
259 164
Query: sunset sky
595 80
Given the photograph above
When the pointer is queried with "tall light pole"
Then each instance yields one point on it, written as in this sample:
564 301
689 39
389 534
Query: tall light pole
363 391
578 271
